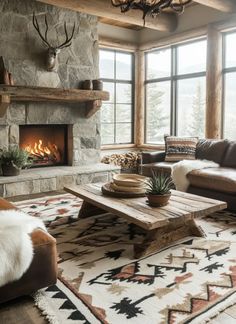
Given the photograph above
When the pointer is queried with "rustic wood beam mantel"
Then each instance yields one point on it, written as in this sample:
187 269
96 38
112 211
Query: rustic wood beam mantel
228 6
103 8
92 98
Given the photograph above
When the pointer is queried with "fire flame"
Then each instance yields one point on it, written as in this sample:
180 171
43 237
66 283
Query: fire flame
41 152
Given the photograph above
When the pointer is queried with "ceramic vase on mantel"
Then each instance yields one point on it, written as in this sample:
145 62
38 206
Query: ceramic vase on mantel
87 85
97 85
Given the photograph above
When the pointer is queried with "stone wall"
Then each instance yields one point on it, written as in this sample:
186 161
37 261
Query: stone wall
24 56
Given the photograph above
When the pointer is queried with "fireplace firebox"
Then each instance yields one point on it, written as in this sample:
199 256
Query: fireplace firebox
47 145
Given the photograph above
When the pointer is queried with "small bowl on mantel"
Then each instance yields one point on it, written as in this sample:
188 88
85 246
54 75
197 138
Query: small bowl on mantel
158 200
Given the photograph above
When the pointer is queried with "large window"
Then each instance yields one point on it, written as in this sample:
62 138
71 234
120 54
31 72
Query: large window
116 71
229 75
175 91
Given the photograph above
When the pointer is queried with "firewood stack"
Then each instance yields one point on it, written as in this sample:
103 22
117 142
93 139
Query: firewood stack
127 161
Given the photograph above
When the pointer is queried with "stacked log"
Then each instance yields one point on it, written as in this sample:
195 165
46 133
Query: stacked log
126 161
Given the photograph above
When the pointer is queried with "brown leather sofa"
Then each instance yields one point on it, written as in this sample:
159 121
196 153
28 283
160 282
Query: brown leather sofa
218 183
43 269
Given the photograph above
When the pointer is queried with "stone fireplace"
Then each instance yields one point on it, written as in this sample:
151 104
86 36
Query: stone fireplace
24 56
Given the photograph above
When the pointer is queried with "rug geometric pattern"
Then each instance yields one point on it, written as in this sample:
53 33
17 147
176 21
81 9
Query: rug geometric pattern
188 282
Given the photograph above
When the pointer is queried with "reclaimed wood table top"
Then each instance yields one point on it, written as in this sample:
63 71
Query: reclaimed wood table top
181 207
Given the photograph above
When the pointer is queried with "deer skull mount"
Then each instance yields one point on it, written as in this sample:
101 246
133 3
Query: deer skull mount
52 52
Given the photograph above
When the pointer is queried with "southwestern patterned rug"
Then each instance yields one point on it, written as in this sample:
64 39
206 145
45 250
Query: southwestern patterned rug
100 283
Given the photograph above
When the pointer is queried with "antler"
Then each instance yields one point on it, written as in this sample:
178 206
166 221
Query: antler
36 26
67 42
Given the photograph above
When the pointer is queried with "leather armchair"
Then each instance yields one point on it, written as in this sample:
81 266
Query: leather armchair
43 269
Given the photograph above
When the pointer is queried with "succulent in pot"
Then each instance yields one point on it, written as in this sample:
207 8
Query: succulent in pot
159 189
13 160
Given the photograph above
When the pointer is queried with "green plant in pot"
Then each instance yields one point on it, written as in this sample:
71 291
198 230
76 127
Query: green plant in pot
13 160
159 189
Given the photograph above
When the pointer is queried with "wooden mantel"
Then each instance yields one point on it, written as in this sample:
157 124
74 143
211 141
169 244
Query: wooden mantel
92 98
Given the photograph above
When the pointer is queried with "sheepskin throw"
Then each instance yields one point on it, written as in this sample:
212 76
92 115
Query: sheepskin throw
182 168
180 148
16 250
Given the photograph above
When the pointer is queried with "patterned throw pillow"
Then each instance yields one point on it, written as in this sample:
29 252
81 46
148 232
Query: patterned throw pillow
180 148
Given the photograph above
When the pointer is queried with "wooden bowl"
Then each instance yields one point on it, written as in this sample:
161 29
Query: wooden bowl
116 187
108 191
129 180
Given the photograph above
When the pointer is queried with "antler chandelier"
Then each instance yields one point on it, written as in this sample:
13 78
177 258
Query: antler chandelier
151 7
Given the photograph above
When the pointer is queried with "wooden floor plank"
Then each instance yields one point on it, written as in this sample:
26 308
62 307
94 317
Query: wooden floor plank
21 311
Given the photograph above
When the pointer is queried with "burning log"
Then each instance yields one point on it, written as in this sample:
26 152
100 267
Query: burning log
41 154
55 152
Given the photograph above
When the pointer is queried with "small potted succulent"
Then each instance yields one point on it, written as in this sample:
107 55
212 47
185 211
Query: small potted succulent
12 160
158 189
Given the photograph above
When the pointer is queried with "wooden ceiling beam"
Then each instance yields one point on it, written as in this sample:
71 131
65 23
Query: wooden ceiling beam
228 6
166 22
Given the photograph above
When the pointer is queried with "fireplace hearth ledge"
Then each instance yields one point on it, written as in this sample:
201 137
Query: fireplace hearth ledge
39 180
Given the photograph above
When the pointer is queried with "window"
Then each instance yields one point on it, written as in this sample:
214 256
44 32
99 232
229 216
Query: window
229 77
116 71
175 91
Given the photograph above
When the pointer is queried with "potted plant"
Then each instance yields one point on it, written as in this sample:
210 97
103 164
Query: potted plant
158 189
12 160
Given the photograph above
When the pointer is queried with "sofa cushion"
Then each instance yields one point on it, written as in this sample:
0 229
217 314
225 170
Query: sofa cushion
146 169
180 148
152 157
212 150
230 156
218 179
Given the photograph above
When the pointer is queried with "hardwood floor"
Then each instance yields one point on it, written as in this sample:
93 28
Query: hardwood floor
23 310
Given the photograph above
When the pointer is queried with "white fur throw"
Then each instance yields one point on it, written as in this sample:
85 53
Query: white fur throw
16 250
182 168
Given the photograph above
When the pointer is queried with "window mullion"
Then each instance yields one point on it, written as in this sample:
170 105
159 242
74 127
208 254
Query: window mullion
173 90
115 98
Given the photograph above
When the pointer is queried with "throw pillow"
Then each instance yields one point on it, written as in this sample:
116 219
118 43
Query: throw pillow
180 148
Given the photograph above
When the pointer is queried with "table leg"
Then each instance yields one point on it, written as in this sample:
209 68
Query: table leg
88 210
160 238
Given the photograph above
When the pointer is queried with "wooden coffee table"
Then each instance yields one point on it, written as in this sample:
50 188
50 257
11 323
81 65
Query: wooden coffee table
162 225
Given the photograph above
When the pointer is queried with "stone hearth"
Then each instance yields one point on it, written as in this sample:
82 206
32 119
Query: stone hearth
39 180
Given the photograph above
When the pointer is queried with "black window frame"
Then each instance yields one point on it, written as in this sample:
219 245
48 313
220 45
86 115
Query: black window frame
132 103
173 79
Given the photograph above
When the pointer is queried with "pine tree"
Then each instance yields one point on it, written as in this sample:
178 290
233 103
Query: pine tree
197 124
157 119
